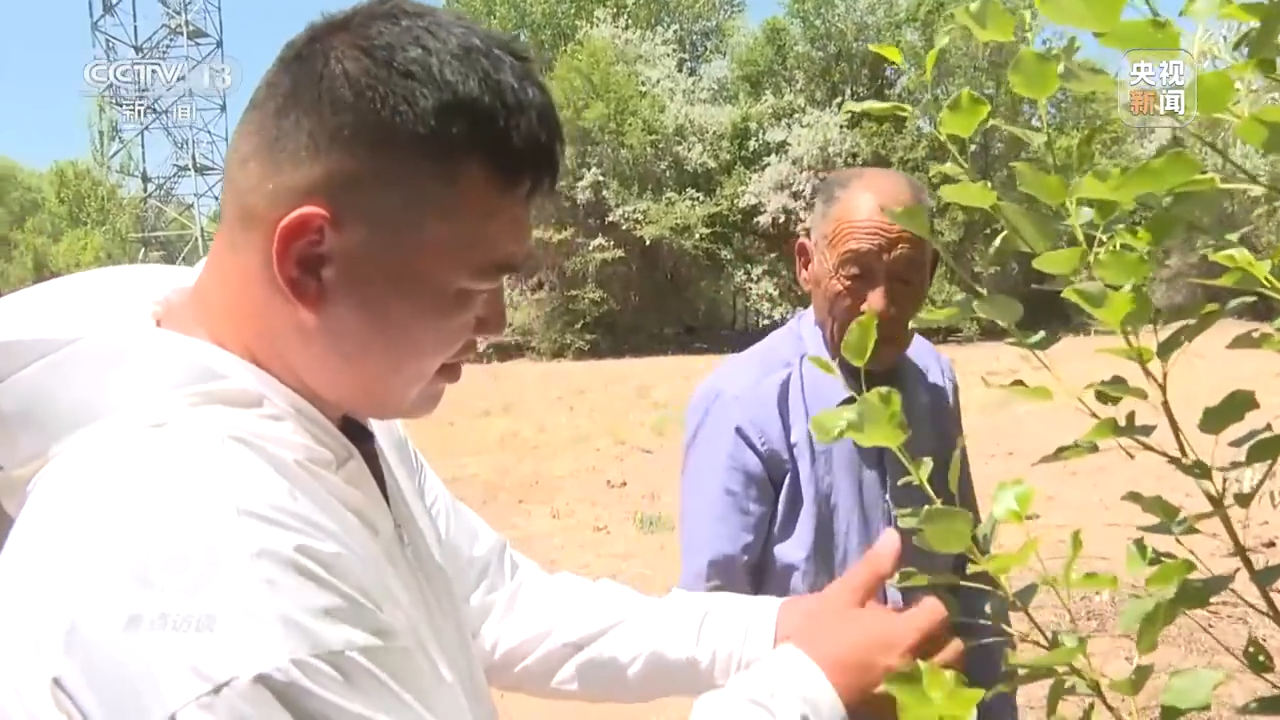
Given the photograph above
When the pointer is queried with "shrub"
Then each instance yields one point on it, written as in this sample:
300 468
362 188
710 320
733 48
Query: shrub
1099 236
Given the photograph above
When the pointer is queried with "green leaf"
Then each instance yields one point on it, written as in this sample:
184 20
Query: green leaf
963 113
1104 429
1139 354
1023 390
931 60
925 691
1099 185
1249 436
1146 618
1146 33
1266 706
1201 11
888 52
1012 501
1064 654
1257 657
1186 333
1191 689
1030 137
988 20
1141 557
1261 129
1170 519
1075 546
1255 340
1087 78
1121 267
1134 682
912 218
1263 450
876 108
831 424
1231 409
1260 43
1114 390
1095 582
922 470
1091 15
1001 564
1215 91
1047 188
1000 309
1239 258
1070 451
824 365
1158 175
1199 183
945 529
970 194
950 316
859 341
1170 574
957 464
1107 306
1037 231
1269 575
877 419
1033 74
1039 341
1063 262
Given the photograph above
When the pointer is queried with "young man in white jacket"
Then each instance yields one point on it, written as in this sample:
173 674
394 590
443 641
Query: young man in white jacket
217 517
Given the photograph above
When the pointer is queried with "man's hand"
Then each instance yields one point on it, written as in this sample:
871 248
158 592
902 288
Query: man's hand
856 641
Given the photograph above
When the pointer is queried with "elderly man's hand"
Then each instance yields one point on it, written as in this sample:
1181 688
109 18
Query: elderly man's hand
856 641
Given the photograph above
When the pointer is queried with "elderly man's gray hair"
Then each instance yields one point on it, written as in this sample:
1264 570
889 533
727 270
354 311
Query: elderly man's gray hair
834 185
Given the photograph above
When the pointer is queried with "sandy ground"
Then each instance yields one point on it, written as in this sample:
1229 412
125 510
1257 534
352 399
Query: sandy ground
578 463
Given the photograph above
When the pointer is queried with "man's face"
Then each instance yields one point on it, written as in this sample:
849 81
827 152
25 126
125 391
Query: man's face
394 306
860 261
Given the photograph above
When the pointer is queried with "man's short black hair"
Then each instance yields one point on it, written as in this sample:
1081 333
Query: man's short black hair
394 89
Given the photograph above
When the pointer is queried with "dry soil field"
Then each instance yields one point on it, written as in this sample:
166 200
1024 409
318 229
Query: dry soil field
579 462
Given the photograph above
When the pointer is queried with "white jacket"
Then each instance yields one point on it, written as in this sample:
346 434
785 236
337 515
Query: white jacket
193 541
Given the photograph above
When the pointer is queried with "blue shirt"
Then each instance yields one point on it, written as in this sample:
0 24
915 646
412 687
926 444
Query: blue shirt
768 510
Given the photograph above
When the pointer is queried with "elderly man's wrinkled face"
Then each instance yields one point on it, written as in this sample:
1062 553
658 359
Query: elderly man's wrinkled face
858 260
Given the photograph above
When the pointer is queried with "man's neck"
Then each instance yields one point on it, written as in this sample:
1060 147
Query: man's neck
229 317
861 380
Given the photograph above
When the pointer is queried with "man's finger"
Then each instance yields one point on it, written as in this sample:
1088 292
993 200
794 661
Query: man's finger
926 619
951 655
934 643
863 581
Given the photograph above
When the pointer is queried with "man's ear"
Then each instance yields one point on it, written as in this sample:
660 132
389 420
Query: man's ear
804 251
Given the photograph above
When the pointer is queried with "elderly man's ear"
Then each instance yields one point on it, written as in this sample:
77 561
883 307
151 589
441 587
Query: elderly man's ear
804 252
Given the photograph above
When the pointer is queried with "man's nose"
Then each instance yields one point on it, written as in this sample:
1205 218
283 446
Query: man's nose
877 301
492 321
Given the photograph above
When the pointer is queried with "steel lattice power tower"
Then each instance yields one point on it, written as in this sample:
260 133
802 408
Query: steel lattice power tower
161 80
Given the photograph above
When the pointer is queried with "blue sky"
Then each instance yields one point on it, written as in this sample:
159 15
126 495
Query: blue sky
45 44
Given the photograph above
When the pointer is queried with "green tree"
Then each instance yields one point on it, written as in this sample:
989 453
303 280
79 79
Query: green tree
1099 230
69 218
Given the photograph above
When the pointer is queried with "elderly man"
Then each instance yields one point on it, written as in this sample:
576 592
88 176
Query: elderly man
766 509
215 517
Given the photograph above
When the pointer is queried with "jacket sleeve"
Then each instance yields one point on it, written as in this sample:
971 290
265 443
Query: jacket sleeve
786 685
558 635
